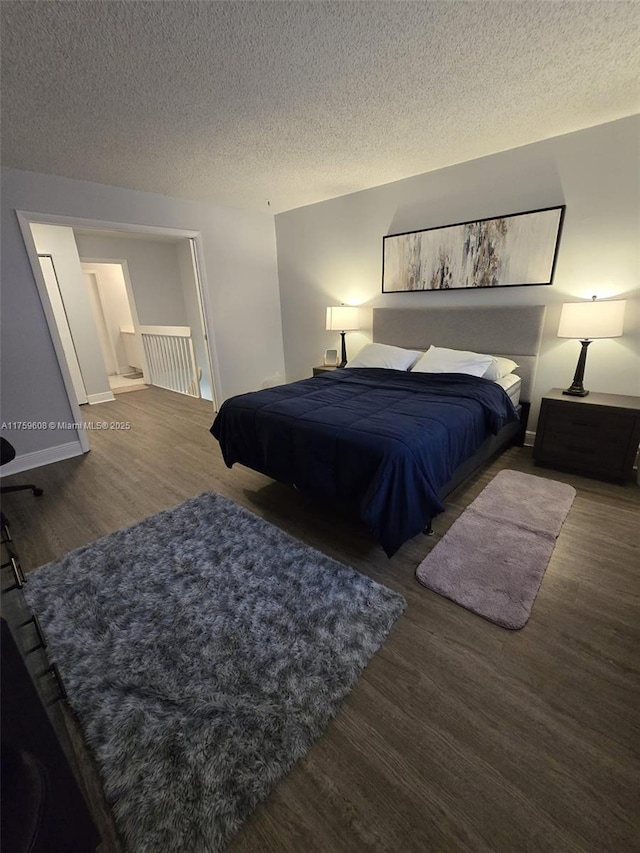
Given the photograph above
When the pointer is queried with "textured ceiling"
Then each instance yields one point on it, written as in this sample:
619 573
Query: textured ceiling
294 102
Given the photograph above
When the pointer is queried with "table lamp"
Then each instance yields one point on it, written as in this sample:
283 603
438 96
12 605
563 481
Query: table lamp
587 321
343 318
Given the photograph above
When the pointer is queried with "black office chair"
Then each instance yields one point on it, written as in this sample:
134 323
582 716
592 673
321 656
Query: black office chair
7 454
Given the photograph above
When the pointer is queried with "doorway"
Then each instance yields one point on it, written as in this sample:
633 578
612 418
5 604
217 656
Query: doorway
161 279
200 309
113 315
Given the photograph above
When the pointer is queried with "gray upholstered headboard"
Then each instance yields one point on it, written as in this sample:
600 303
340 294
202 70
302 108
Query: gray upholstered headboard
514 332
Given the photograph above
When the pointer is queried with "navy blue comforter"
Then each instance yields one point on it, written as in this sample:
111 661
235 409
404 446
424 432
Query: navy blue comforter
382 440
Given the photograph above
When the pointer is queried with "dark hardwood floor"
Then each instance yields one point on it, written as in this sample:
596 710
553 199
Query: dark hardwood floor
460 735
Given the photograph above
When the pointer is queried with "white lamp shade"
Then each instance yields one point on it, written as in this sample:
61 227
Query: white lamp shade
588 320
343 318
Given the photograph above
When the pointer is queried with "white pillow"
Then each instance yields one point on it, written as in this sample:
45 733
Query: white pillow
442 360
383 355
499 367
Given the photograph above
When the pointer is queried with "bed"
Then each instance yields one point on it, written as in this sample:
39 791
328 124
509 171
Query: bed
391 444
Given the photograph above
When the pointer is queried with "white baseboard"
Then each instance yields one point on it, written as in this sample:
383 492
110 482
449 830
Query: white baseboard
529 438
42 457
102 397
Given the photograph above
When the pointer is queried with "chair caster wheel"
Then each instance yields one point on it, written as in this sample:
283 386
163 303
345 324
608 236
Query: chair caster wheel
38 492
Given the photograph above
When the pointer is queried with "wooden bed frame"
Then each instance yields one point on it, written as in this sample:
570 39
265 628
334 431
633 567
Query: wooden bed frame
514 332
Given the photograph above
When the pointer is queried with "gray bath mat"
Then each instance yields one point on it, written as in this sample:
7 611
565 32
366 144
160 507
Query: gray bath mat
493 558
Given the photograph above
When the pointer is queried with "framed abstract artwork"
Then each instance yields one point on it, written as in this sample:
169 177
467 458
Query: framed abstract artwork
507 251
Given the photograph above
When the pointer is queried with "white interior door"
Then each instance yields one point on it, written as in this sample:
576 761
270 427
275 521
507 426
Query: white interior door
57 305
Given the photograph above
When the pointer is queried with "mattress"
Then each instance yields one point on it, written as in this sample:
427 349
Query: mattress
512 384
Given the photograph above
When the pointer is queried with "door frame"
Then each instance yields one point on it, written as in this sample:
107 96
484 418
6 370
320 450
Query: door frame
193 250
26 218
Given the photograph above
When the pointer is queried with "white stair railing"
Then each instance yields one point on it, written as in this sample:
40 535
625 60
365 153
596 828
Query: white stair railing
171 358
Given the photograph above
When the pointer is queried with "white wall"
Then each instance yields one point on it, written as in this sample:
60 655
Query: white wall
239 266
154 273
108 356
62 325
60 244
331 252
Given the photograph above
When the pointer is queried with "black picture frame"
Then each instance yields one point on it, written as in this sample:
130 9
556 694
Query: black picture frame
480 253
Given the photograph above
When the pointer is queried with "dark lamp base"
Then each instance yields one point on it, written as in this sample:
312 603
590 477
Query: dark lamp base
576 389
343 360
576 392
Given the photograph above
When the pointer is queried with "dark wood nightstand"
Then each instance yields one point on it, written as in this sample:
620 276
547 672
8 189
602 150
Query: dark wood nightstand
324 368
596 435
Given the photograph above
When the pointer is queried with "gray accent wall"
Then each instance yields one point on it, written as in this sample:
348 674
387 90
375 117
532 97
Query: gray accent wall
331 252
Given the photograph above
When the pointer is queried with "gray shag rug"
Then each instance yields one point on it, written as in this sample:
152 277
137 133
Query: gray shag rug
204 652
493 558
